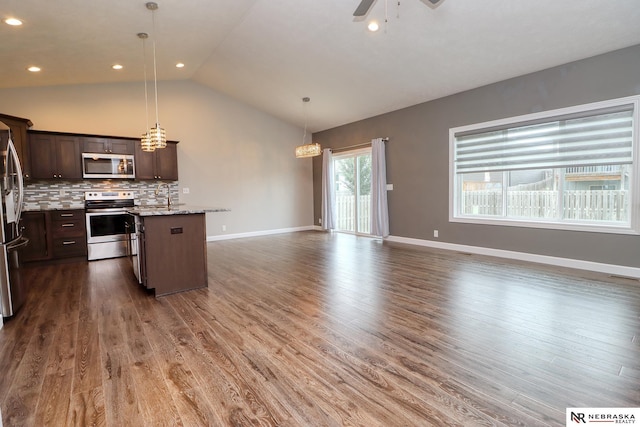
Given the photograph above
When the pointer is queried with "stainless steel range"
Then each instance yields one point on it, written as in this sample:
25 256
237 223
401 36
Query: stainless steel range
108 223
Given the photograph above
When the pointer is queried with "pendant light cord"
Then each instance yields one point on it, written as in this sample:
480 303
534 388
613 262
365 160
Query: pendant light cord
386 15
155 73
305 100
146 93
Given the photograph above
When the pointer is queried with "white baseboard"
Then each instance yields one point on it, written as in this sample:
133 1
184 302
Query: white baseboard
260 233
617 270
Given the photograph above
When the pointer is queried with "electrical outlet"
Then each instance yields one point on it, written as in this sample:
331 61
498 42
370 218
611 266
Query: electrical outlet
185 190
224 228
435 233
63 193
320 221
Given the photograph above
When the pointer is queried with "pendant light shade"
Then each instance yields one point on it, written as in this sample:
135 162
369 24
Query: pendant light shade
307 150
158 137
146 144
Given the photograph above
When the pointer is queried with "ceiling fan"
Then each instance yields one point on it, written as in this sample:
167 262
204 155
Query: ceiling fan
365 5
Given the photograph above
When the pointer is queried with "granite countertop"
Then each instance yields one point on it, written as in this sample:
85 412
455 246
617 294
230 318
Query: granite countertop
63 207
176 209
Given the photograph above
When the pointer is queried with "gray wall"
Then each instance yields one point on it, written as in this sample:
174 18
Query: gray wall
417 156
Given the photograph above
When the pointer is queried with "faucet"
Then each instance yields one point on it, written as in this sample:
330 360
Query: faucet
168 192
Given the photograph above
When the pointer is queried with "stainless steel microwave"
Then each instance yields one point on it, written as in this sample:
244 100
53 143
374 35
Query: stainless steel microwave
100 165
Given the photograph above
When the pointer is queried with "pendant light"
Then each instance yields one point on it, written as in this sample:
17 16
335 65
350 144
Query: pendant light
145 140
157 134
311 149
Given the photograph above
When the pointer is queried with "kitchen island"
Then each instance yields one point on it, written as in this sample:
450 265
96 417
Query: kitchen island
169 250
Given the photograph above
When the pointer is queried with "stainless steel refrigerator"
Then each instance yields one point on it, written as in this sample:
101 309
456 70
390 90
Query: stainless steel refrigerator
12 289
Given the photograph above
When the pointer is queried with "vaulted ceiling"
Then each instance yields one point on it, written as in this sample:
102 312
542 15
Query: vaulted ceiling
271 53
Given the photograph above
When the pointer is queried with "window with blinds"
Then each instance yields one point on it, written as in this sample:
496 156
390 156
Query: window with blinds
571 168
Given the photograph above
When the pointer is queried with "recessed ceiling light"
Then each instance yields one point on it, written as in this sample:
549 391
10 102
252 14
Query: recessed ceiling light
117 67
13 21
373 26
179 65
33 69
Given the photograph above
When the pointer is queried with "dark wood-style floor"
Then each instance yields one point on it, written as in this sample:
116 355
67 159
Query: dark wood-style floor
314 329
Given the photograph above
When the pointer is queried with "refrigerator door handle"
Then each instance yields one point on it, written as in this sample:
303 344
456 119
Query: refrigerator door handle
18 242
14 155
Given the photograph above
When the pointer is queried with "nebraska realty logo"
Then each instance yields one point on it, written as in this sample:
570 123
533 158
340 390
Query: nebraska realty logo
581 416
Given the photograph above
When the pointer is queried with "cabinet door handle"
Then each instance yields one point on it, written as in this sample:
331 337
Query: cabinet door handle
69 242
66 215
68 225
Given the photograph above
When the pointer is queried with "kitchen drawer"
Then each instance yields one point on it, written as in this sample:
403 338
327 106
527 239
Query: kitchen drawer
68 228
66 215
69 247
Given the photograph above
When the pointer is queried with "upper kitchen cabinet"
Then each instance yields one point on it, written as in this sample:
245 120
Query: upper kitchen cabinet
161 164
54 156
19 128
92 144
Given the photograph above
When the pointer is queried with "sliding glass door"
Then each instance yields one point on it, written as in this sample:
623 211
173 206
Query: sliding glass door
353 191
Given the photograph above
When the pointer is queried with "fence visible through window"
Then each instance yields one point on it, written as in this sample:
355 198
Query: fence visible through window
344 209
588 205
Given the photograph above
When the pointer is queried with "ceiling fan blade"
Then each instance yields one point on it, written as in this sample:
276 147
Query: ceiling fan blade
363 7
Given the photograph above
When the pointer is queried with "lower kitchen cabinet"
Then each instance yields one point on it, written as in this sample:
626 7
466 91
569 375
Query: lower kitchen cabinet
35 226
54 235
69 233
173 253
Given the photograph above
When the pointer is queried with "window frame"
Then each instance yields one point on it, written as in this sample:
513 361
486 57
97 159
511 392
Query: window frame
455 185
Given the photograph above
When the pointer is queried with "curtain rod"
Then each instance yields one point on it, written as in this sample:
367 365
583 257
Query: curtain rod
386 139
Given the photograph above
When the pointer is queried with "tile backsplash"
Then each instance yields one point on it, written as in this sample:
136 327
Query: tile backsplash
43 195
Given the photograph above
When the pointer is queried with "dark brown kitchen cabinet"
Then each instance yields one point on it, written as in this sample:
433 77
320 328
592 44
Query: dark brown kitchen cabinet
173 253
92 144
54 235
69 233
161 164
35 228
54 156
19 127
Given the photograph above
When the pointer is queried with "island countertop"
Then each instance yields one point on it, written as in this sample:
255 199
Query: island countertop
175 209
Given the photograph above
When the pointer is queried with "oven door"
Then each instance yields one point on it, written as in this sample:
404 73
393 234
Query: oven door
107 225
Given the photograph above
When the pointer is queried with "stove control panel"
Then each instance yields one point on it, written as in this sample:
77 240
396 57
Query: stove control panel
109 195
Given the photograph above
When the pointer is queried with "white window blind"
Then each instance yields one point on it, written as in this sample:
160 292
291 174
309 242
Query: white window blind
596 137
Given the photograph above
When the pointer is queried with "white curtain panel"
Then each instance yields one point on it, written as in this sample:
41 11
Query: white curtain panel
328 192
379 208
